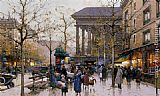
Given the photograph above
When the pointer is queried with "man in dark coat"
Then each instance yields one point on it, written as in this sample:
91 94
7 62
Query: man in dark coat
104 73
64 72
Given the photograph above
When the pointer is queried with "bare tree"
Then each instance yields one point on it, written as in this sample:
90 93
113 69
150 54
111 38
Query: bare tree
65 24
113 29
27 14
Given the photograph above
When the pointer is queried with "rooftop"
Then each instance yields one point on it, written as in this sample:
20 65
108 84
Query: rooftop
97 12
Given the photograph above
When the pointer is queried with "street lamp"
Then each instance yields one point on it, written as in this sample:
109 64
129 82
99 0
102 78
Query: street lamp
3 59
16 47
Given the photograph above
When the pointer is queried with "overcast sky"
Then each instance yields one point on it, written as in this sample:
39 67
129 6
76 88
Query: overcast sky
76 4
73 4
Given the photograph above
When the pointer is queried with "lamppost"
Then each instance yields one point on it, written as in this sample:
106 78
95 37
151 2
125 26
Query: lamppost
104 54
16 47
3 59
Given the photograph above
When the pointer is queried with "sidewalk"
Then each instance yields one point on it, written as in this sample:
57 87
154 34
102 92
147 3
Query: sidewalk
105 89
17 81
16 90
101 89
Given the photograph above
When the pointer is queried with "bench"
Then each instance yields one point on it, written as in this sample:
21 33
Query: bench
36 83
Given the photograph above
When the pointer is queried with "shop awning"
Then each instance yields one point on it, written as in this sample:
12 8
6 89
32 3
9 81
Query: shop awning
122 58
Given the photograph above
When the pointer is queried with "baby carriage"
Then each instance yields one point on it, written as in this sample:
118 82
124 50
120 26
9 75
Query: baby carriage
7 80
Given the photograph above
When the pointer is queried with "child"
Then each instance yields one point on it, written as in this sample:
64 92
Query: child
92 81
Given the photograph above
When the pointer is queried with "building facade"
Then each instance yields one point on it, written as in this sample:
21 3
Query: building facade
93 32
140 23
7 46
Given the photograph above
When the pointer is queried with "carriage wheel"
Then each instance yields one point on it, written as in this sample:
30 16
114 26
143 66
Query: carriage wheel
10 85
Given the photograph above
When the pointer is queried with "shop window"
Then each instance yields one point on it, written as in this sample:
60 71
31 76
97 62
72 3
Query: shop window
146 16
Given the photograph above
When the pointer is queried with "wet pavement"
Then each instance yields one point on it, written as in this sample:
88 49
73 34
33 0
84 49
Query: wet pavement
104 89
101 89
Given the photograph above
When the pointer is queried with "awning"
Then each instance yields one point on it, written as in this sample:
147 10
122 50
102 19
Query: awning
122 58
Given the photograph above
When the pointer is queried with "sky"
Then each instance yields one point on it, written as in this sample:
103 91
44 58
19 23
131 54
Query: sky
75 5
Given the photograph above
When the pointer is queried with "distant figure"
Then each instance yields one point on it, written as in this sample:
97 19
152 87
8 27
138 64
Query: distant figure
138 76
129 75
77 83
115 72
119 79
100 73
104 73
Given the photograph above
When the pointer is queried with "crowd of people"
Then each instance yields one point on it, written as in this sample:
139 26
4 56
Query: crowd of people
83 76
128 73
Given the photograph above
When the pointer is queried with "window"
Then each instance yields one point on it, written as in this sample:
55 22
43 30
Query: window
158 8
134 23
146 16
134 6
144 1
125 22
134 38
147 37
126 15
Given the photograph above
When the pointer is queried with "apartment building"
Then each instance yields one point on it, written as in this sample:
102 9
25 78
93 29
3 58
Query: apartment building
141 25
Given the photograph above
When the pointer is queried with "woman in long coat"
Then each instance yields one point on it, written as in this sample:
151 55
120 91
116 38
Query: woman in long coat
77 82
119 79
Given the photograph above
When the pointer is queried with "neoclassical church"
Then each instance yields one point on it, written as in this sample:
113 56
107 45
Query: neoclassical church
94 33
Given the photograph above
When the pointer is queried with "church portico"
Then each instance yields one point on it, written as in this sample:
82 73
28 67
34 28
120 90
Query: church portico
93 30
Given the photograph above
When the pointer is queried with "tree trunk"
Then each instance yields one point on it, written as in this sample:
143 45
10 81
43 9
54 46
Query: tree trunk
22 73
113 75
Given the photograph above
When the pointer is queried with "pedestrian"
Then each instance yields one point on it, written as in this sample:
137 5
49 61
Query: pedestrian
92 81
77 82
86 80
104 73
65 87
115 72
100 73
138 76
64 72
129 75
119 79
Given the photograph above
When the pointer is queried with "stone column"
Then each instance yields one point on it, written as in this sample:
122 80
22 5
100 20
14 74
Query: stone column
89 40
83 38
77 41
93 44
